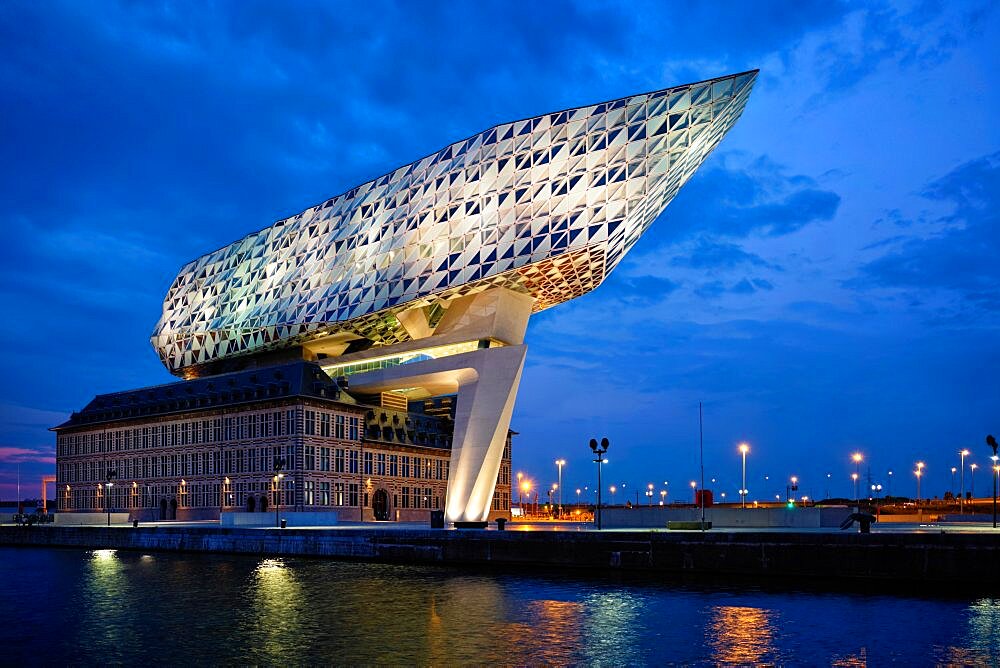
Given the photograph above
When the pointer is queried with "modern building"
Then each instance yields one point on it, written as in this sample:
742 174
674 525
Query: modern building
193 449
420 283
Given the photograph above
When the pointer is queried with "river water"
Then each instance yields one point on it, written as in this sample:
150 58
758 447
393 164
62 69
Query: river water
80 606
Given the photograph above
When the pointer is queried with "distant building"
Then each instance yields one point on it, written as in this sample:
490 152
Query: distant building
190 450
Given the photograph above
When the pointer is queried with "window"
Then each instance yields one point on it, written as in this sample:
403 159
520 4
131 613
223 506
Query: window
354 429
353 491
416 467
324 459
308 492
406 466
310 457
380 464
406 497
324 424
324 494
368 463
340 427
393 465
354 461
338 460
338 494
310 423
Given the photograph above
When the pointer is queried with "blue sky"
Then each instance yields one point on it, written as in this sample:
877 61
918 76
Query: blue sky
829 281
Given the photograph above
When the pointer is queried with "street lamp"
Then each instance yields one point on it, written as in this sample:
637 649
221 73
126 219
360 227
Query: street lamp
857 458
919 472
972 489
525 488
663 496
520 501
279 465
961 499
613 489
560 463
112 474
599 451
793 487
888 491
744 449
649 493
992 442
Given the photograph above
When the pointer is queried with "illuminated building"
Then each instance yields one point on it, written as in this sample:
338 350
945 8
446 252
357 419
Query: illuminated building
421 282
192 449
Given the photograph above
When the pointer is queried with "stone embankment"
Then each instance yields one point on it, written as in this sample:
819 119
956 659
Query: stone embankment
929 559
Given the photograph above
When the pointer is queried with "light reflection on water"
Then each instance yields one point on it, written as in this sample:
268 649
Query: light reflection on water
106 606
741 635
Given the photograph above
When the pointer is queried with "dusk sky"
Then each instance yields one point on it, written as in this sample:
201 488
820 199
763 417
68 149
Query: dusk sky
829 280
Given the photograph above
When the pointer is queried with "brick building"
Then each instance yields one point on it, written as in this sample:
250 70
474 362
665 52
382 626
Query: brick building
190 450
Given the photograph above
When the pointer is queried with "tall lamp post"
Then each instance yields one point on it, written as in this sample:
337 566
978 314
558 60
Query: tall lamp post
972 487
919 472
992 442
112 474
613 489
279 466
599 451
857 458
961 499
560 463
520 499
744 449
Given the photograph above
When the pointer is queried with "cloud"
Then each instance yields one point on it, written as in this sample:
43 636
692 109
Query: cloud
708 254
962 255
736 195
14 455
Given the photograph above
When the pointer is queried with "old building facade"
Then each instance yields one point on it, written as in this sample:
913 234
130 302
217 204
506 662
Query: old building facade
196 449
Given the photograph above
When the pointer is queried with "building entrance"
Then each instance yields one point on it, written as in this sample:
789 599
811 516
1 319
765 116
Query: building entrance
380 505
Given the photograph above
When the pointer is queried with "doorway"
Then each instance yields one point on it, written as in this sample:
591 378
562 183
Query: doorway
380 505
251 504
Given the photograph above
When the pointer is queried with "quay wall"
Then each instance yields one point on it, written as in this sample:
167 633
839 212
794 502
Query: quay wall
929 559
725 517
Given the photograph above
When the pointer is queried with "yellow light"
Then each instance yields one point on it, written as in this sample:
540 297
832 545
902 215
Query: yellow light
693 484
920 465
854 476
964 452
744 448
857 457
525 486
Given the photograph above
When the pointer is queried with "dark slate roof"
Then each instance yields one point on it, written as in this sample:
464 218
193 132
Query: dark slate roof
297 379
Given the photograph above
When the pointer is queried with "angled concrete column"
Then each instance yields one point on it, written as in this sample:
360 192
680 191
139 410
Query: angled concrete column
486 382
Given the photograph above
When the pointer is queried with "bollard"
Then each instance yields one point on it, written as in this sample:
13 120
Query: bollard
501 523
135 524
284 522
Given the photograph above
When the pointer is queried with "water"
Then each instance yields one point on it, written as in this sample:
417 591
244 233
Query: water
62 606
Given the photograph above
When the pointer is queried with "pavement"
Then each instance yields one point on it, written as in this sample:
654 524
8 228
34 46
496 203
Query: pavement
880 528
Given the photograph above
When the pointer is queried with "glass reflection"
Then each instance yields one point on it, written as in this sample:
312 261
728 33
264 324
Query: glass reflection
741 635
